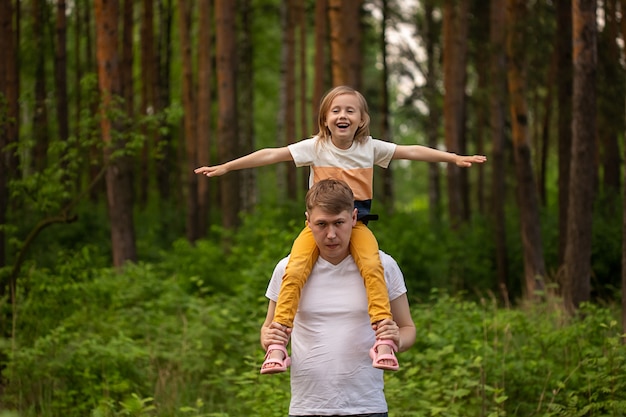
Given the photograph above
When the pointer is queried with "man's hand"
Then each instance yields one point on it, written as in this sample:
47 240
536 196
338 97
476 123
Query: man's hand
276 334
387 329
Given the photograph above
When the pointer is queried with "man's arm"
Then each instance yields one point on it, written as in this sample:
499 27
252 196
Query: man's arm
401 329
402 316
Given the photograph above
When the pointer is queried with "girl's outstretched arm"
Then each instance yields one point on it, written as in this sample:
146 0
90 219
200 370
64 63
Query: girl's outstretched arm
262 157
426 154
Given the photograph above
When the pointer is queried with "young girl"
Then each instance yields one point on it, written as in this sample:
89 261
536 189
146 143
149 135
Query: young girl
342 149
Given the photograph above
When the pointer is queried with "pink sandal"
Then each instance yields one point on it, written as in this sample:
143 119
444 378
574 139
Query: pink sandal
283 364
377 358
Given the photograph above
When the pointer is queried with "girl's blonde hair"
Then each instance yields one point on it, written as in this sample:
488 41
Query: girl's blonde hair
362 132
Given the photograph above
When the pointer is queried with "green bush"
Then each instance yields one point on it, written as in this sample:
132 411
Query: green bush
472 359
179 337
438 258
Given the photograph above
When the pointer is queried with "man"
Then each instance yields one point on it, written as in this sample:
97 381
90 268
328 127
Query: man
332 372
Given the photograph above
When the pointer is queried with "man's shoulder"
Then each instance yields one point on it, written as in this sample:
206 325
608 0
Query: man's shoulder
283 262
393 276
385 258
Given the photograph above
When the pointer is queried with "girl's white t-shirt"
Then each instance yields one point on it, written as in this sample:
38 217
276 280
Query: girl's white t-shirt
354 165
331 371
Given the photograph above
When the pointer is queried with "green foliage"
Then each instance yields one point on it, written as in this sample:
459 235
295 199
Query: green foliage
471 359
607 247
179 337
437 258
89 338
248 260
113 335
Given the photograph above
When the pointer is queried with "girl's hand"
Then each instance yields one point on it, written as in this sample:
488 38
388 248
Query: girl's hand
467 161
214 171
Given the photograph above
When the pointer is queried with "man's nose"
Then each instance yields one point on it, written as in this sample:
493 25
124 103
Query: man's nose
331 232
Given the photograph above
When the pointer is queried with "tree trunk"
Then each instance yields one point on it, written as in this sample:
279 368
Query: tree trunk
455 30
528 201
60 81
611 108
227 115
165 165
304 120
127 59
320 61
345 42
338 64
544 137
623 8
40 116
246 93
353 39
205 113
9 112
79 68
290 93
577 260
126 76
497 99
431 96
148 96
118 173
481 56
564 98
281 114
387 193
60 72
190 120
85 17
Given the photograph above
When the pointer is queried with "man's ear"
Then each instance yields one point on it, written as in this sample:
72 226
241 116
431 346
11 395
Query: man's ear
354 216
306 214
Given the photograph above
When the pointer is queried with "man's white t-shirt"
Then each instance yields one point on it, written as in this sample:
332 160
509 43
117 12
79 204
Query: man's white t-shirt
331 371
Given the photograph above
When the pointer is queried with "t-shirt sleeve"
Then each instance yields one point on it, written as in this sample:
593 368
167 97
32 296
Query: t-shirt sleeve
303 152
393 276
273 288
383 152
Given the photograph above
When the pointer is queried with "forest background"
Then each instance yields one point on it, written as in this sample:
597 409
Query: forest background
131 286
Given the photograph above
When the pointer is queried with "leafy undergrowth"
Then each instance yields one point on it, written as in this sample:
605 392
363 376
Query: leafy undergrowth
179 337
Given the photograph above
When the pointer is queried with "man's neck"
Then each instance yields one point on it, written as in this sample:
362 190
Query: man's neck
335 260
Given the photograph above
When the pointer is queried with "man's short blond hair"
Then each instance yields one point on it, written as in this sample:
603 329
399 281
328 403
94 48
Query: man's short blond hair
331 195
